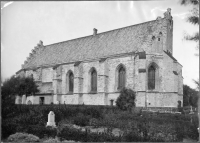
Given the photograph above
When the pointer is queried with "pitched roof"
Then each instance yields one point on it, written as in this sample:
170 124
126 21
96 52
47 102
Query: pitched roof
169 54
122 40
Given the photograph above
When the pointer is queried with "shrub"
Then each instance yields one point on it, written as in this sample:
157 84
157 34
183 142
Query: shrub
85 136
93 122
8 128
137 111
126 99
40 131
52 140
81 120
23 137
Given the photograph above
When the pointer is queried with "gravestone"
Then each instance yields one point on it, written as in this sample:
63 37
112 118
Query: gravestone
51 119
17 100
24 99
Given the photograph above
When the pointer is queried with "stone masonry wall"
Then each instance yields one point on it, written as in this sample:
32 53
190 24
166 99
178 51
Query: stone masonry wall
158 38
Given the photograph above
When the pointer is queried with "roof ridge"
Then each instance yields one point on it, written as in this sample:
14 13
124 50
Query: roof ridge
100 33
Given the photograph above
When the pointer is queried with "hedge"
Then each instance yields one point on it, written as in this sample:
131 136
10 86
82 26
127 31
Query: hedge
32 119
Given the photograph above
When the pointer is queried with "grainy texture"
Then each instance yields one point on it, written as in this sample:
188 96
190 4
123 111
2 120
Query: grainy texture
135 47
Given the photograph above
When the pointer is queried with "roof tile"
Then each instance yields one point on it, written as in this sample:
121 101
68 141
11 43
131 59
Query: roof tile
113 42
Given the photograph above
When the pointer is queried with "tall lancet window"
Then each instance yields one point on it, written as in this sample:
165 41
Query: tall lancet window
151 78
121 77
93 80
71 82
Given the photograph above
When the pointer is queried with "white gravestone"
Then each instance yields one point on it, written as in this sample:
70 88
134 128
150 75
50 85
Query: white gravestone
17 100
51 119
24 99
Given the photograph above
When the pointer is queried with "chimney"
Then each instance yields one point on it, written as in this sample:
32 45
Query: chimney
94 31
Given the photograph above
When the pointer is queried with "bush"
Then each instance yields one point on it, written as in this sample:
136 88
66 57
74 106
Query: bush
23 137
81 120
51 140
93 122
40 131
32 119
67 133
8 128
126 99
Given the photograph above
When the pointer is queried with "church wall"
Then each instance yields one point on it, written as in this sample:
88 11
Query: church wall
22 73
180 79
65 70
162 99
112 67
31 98
70 99
47 74
158 62
47 99
168 74
112 96
107 84
140 99
29 73
86 75
166 80
96 99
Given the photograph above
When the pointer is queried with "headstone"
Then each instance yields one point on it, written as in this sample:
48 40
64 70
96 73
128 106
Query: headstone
57 102
51 119
24 99
191 111
17 100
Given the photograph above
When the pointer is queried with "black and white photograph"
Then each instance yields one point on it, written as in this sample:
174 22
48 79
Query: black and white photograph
100 71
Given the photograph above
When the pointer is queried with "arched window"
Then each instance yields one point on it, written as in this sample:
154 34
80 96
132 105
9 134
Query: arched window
121 77
93 80
151 77
71 82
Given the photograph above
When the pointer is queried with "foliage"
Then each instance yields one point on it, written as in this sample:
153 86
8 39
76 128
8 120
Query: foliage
15 86
81 120
23 137
40 131
145 126
193 18
126 99
197 83
190 96
51 140
19 86
85 136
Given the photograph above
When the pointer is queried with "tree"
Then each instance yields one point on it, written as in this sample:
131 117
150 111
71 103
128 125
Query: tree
197 83
190 96
17 86
126 99
193 18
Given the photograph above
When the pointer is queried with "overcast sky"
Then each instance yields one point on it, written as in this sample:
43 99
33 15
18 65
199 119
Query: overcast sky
23 24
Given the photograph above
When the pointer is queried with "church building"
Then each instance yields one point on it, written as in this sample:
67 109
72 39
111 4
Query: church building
92 70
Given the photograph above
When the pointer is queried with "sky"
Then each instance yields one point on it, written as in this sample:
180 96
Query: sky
23 24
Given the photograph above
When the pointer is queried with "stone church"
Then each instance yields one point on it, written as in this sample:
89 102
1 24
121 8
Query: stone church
93 69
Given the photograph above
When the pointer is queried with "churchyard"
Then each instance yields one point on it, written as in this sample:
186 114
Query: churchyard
89 123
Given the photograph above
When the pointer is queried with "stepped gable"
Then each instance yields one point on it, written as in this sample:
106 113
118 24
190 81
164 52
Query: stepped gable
96 46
